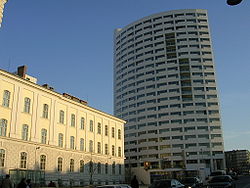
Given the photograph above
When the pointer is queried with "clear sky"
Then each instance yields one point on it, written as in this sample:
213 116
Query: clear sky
69 45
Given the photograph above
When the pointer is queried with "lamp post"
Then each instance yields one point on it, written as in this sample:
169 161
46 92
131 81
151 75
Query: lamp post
37 148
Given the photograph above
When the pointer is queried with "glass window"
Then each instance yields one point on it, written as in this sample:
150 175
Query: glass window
27 102
119 152
61 117
23 160
120 169
106 149
113 150
72 142
90 146
98 147
82 144
59 164
6 98
3 127
113 168
99 128
45 111
2 157
81 166
91 126
99 168
82 123
42 162
60 140
71 165
106 130
25 132
73 120
43 136
119 134
106 168
91 167
113 132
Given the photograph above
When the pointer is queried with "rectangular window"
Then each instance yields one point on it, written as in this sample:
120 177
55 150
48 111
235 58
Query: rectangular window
60 140
61 117
82 123
90 146
91 126
72 142
25 132
106 149
45 111
113 150
106 130
27 102
98 147
6 98
73 120
82 144
113 132
43 136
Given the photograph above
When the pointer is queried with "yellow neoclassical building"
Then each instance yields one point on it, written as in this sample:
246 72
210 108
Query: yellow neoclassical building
45 135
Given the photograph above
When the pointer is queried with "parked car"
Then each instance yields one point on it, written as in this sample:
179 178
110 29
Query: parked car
192 182
234 175
213 174
221 181
114 186
168 183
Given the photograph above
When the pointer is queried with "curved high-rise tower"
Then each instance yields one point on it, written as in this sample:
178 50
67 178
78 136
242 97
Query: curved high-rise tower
2 2
165 88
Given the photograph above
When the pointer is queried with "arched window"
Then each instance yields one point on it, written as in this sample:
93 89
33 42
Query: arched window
91 146
43 136
60 140
99 168
2 157
25 132
61 117
106 168
23 160
81 166
71 165
99 147
59 164
27 102
42 162
45 111
113 150
6 98
3 127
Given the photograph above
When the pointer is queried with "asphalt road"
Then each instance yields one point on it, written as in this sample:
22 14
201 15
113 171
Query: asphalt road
243 182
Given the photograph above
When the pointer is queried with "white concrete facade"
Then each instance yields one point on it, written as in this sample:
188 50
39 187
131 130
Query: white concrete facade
42 123
165 88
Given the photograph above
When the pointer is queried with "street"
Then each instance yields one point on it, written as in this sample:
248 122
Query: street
243 182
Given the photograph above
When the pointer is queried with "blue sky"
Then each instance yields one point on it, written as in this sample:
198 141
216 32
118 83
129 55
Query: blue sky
69 44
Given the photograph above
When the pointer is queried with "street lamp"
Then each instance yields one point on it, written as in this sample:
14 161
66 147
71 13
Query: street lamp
37 148
233 2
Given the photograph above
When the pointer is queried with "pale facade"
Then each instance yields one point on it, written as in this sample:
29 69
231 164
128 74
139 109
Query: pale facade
59 134
2 2
165 89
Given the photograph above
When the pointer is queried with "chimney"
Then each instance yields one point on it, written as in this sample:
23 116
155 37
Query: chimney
21 71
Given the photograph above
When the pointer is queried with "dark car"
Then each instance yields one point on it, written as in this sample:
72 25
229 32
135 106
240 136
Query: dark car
224 181
170 183
192 182
234 175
